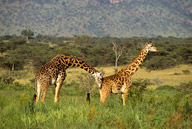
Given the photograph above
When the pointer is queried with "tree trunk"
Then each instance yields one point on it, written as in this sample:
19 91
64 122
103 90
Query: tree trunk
13 67
118 52
116 69
27 39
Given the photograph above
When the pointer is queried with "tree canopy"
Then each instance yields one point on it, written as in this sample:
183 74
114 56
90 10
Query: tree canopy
27 33
97 51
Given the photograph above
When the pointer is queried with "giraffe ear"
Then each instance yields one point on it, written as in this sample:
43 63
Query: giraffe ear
148 43
102 73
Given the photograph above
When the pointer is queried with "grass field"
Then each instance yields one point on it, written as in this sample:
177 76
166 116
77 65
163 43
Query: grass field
164 106
160 108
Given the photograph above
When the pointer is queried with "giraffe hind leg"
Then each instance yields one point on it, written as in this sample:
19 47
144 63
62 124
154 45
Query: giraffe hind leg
44 92
44 85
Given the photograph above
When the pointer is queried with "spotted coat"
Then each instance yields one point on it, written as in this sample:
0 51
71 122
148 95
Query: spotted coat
121 81
54 72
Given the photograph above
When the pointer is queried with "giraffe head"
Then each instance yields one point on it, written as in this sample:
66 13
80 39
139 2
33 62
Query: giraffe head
151 47
98 78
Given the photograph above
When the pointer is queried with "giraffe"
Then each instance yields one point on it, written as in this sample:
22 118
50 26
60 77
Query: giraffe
120 82
54 72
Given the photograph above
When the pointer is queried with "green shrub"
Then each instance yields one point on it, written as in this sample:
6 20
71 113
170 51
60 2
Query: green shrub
143 83
6 79
177 74
157 81
17 87
86 82
32 81
137 88
186 72
186 87
160 62
165 87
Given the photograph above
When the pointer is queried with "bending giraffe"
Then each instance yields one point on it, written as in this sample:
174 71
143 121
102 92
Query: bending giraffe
54 72
121 82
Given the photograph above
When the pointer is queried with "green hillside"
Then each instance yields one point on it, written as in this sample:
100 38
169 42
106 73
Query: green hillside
119 18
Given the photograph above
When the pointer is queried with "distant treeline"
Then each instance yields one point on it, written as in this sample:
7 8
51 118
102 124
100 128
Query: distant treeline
16 52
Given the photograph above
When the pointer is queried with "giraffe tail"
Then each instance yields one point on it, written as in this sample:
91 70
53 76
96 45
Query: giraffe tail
33 100
88 98
34 97
89 93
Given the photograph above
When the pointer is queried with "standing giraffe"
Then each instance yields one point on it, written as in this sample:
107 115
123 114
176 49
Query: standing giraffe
121 82
54 72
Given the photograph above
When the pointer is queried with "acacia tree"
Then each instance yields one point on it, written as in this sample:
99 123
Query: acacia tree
12 62
27 33
118 50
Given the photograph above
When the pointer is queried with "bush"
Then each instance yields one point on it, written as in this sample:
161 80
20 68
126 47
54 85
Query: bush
6 79
165 87
86 82
187 87
138 87
157 81
17 87
143 83
177 74
160 62
186 72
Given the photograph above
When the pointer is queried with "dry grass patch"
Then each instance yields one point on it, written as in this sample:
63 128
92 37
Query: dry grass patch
173 76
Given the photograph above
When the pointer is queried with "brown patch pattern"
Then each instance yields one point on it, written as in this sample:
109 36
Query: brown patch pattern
54 72
121 82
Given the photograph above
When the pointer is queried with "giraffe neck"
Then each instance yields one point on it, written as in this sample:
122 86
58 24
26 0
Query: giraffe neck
134 66
68 61
75 62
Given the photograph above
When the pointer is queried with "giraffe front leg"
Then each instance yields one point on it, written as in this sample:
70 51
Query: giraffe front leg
103 95
57 90
124 96
126 90
60 79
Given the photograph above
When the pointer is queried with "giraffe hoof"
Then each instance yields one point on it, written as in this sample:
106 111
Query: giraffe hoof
88 98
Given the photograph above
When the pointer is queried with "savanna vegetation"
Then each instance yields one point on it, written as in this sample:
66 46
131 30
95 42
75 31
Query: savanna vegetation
119 18
16 52
160 98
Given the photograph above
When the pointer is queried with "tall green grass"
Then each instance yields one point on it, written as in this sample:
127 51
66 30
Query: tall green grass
165 107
